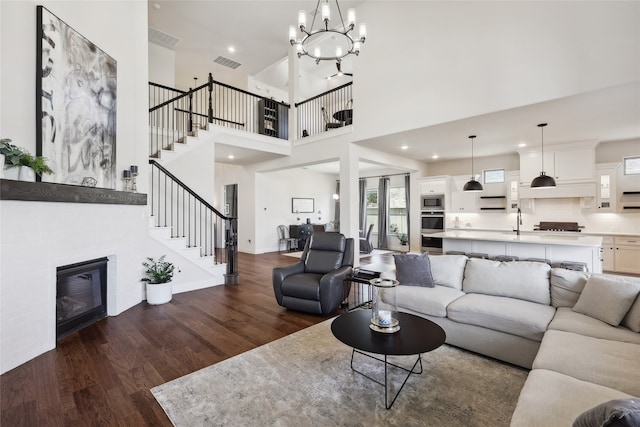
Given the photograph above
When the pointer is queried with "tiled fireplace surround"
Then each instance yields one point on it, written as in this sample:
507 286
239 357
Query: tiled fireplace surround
36 238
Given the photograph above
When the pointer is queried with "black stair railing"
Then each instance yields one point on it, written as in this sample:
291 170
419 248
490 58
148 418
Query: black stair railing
175 114
328 110
175 205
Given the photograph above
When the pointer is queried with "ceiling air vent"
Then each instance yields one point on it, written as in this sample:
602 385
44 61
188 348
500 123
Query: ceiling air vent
226 62
162 39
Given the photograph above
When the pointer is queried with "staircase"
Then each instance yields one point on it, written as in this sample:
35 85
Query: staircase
180 218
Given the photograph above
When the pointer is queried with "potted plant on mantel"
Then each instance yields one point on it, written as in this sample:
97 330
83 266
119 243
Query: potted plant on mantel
158 275
21 164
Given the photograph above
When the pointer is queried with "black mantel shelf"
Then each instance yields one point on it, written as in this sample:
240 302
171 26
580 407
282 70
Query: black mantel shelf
50 192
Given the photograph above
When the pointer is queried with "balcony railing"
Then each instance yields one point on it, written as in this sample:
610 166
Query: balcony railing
175 114
329 110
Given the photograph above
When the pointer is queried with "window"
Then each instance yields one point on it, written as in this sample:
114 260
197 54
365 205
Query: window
372 207
491 176
632 165
397 210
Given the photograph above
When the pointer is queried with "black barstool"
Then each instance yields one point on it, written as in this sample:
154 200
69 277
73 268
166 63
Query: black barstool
506 258
477 255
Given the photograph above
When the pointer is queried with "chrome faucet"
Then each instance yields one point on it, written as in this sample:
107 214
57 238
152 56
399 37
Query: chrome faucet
518 222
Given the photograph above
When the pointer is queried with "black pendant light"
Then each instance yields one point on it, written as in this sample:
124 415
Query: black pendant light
472 185
543 180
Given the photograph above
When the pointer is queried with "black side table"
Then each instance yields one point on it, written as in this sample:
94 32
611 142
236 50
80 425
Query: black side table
359 289
416 336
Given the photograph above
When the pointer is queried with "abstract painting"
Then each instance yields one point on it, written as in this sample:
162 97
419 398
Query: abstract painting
76 105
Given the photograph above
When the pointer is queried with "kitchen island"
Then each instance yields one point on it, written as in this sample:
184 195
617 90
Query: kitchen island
556 247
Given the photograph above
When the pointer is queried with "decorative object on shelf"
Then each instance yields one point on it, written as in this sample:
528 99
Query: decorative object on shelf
30 166
341 43
89 182
76 104
472 184
126 177
158 276
543 180
134 174
10 159
384 309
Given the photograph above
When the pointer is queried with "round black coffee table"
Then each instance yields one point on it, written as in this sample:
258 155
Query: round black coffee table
416 336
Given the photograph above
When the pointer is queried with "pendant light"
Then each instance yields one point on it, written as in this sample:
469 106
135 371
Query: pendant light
472 185
543 180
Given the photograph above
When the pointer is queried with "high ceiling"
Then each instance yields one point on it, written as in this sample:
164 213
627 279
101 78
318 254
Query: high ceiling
258 32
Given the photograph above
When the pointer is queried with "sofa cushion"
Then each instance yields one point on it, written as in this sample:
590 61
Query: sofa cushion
523 280
613 413
607 298
429 301
569 321
413 270
566 286
550 398
448 270
632 319
513 316
609 363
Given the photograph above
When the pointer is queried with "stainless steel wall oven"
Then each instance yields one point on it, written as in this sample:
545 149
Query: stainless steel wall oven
431 221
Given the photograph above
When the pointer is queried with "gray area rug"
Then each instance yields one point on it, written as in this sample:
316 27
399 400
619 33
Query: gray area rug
305 379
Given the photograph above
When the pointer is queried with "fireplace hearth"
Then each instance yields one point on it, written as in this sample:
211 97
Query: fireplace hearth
81 295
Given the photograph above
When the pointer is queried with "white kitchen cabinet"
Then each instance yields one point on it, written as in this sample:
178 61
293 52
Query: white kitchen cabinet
462 201
627 255
434 185
606 187
572 165
608 254
566 163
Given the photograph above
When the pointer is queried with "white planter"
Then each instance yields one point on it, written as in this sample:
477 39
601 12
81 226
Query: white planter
159 293
1 165
26 174
12 173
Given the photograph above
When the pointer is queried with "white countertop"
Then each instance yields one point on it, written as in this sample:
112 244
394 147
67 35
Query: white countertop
561 233
538 237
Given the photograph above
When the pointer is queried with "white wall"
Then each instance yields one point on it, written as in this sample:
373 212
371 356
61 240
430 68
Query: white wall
36 236
162 65
527 52
273 202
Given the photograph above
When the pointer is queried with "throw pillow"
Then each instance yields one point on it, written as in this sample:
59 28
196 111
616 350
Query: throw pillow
414 270
632 319
607 299
615 413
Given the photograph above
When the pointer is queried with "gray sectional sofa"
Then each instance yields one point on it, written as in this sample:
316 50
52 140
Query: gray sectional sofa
581 351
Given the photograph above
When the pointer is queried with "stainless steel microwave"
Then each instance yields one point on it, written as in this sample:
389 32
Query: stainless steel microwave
432 202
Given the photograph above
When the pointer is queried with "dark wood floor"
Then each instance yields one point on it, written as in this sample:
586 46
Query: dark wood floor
102 374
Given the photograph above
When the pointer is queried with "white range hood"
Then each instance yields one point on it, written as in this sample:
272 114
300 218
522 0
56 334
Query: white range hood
586 189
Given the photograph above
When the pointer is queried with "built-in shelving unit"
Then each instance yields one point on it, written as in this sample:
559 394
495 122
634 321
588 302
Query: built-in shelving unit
273 119
493 203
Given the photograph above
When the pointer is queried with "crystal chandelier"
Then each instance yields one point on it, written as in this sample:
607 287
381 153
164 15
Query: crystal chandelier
328 44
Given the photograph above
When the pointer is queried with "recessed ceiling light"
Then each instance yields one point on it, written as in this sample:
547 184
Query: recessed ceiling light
230 156
522 144
435 156
404 147
231 49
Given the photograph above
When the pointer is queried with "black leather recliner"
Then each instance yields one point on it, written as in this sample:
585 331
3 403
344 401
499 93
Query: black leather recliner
316 283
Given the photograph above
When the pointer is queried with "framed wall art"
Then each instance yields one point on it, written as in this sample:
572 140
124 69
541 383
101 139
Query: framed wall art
301 205
75 105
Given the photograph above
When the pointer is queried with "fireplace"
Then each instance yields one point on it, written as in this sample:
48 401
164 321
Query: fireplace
81 297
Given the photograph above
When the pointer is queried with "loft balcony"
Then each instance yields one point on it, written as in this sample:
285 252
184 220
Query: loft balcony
176 114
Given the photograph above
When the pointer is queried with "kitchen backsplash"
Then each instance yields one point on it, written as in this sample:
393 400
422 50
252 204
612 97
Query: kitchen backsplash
566 210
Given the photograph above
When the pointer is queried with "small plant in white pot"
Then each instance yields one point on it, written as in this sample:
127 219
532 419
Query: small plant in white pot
158 275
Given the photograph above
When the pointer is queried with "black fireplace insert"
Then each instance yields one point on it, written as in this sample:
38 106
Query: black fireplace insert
81 297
